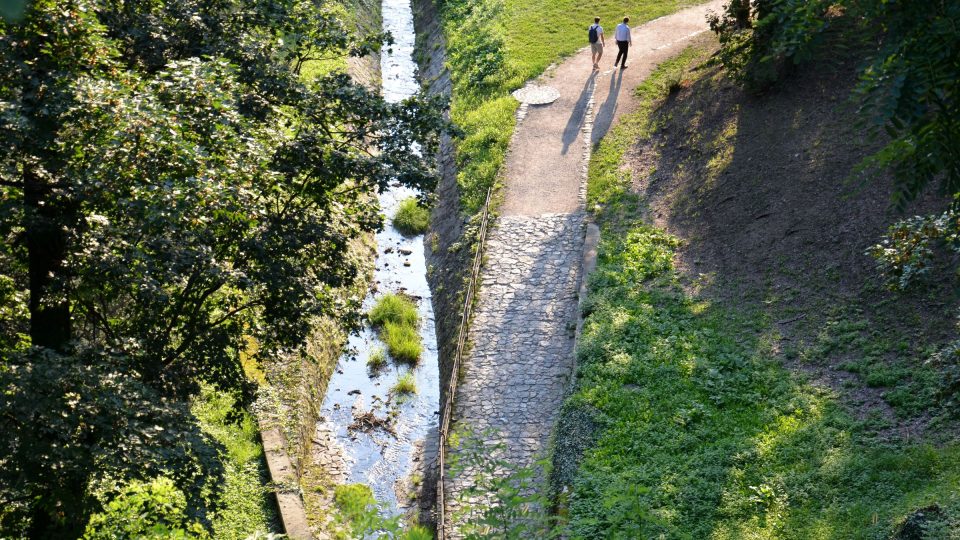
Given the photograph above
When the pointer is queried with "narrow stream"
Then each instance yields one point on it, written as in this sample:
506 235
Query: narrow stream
377 458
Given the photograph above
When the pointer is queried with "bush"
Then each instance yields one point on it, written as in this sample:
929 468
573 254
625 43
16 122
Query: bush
154 509
411 219
394 308
403 342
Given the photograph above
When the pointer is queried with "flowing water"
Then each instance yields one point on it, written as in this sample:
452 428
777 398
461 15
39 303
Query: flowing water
377 458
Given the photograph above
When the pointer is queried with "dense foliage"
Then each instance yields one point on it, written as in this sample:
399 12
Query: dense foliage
171 186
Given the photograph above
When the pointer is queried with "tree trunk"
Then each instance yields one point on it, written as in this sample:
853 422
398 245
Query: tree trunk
740 9
46 248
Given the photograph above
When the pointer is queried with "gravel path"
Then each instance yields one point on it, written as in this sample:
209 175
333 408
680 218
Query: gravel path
522 335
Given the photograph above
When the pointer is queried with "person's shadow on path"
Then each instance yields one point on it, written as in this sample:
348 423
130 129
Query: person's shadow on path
572 131
604 116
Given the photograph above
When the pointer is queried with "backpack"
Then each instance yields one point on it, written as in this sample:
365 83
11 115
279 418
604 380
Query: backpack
594 33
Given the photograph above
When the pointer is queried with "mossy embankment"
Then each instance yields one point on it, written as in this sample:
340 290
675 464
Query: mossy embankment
742 372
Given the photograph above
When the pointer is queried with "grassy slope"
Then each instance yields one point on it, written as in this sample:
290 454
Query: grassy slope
529 35
698 429
247 505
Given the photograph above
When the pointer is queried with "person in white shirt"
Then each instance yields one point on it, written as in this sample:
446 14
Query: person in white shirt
624 40
595 35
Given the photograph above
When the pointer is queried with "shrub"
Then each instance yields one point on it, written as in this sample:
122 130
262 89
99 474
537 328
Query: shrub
154 509
403 342
405 385
358 510
394 308
411 218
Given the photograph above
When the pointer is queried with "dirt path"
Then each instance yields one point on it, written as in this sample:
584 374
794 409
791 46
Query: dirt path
548 155
521 361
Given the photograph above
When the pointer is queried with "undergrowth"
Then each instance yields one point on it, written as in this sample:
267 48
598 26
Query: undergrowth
245 502
696 429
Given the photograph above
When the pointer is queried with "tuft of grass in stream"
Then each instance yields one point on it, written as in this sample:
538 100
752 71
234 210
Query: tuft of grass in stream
406 385
403 342
394 308
411 218
396 318
377 359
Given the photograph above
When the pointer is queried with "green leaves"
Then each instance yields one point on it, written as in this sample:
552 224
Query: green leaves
907 251
154 509
199 193
72 421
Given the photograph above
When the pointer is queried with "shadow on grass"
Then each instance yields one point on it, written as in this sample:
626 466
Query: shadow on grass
693 426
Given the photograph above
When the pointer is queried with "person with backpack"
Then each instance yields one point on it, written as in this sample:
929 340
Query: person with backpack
624 40
595 35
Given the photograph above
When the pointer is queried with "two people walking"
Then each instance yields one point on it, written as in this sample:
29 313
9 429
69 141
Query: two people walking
621 35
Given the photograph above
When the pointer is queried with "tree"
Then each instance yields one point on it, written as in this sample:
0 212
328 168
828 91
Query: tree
169 186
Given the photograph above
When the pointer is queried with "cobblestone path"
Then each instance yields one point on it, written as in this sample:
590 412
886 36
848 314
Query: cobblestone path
522 334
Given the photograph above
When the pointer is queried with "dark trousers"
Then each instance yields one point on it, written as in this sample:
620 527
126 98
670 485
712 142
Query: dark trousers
624 47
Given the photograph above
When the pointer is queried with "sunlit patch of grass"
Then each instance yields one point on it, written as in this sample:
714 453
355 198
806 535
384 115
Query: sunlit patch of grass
250 363
394 308
245 502
411 218
406 385
699 431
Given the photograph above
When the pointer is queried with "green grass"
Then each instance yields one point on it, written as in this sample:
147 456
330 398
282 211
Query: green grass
394 308
494 47
245 505
377 359
406 385
608 181
698 432
704 435
403 342
411 219
359 512
397 319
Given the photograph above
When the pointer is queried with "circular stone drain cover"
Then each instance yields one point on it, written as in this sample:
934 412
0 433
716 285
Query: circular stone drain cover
537 95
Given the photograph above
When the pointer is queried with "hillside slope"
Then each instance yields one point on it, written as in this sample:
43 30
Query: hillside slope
743 373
